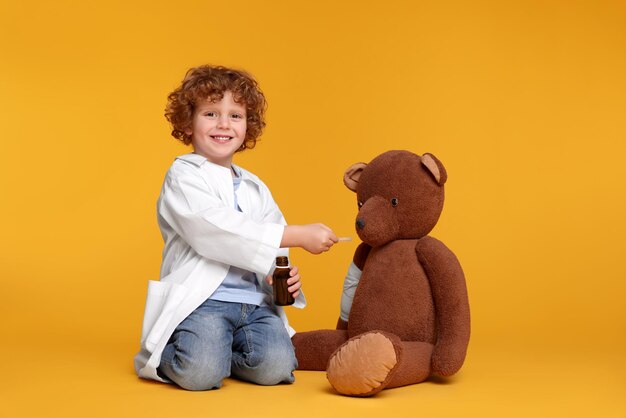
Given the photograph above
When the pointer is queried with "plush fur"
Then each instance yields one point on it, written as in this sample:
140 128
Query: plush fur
410 315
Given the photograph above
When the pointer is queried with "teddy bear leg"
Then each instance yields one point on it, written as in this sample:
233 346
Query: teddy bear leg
313 348
364 365
414 365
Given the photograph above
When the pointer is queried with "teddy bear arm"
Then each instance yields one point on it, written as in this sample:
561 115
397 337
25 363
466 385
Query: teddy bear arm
350 283
449 291
360 255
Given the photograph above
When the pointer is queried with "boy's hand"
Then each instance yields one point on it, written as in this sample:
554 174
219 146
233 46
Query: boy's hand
315 238
293 282
318 238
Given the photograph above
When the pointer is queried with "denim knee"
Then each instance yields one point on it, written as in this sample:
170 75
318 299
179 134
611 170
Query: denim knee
275 367
193 373
198 377
269 376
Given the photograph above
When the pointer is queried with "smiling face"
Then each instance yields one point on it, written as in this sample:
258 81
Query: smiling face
218 129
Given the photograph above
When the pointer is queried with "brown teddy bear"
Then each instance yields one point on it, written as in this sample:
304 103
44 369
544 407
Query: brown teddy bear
409 316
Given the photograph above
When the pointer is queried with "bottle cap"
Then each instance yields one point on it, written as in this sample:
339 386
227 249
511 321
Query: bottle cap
282 261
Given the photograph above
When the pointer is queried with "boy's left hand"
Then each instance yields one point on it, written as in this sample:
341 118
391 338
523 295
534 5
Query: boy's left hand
293 282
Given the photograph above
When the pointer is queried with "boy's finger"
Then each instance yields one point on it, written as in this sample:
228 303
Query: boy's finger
293 279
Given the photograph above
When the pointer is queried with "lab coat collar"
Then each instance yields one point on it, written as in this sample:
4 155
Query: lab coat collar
193 158
199 160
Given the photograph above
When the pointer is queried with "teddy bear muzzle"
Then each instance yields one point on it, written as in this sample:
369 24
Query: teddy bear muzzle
377 222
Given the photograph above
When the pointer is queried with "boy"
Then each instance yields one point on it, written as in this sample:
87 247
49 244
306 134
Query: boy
211 315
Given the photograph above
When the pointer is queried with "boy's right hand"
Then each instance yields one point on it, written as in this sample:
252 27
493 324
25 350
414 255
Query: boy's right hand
315 238
318 238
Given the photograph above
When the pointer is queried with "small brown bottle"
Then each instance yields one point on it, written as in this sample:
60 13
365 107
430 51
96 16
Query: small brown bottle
282 297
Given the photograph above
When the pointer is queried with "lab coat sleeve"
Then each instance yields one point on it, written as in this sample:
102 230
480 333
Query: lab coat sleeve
272 213
216 231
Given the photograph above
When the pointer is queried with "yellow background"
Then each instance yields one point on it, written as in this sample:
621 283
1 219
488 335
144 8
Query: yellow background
523 101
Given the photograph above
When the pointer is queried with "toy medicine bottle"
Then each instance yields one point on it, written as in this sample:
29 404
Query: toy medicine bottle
282 297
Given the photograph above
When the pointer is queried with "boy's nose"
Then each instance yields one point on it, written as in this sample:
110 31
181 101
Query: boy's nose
223 122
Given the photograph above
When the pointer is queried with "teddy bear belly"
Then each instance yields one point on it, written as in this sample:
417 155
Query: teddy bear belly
394 295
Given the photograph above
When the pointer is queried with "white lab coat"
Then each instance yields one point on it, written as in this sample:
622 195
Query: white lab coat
204 235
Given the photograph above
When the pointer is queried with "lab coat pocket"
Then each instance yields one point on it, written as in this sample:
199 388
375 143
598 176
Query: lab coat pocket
161 303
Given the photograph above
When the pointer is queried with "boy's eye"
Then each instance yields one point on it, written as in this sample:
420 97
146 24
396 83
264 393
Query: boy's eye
210 114
237 116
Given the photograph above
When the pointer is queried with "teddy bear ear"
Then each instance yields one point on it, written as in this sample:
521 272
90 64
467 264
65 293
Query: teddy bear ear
352 175
435 167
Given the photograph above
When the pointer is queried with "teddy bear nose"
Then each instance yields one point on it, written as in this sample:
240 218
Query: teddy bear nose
360 223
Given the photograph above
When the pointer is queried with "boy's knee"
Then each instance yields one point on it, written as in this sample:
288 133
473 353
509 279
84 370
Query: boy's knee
276 368
198 379
195 376
270 377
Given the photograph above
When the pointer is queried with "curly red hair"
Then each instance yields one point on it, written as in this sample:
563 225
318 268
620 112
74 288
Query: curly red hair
211 82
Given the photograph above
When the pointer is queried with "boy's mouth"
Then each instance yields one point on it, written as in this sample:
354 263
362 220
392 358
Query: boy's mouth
221 137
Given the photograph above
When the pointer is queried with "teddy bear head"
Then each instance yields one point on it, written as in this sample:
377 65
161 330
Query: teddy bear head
400 196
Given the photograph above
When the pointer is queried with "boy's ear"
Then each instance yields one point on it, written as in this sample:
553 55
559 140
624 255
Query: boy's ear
352 175
435 167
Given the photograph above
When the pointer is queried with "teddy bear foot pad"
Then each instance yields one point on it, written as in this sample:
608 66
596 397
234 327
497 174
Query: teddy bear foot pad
363 365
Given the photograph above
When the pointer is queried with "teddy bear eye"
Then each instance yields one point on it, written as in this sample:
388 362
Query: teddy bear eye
360 203
394 201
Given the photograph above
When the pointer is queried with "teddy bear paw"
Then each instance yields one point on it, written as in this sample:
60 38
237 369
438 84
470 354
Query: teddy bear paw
363 365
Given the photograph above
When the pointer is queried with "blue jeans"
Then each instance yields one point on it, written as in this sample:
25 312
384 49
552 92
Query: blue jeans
223 338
